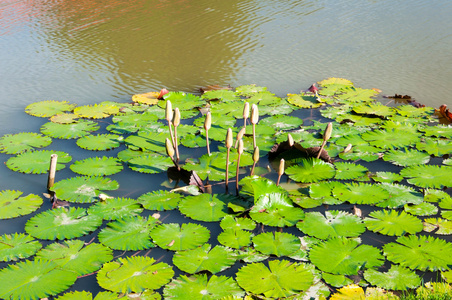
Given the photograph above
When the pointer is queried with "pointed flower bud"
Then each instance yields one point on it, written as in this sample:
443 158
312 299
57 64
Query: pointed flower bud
254 114
241 133
256 154
348 148
328 131
246 110
208 121
169 111
169 148
162 93
229 138
176 121
281 167
290 140
240 148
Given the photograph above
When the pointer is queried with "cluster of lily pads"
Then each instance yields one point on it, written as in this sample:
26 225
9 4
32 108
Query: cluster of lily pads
298 239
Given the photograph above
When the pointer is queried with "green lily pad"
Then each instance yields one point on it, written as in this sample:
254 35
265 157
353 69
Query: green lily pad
344 256
348 171
336 280
180 237
160 200
397 278
421 209
24 141
390 139
83 189
69 131
204 207
181 100
276 243
37 162
435 146
282 122
34 280
14 206
204 258
150 164
438 131
17 246
420 253
97 166
96 111
235 238
130 233
399 195
303 101
134 274
364 152
361 193
62 223
223 95
377 109
324 191
64 118
387 177
428 176
279 279
199 287
438 226
116 208
237 223
99 142
75 256
406 157
48 108
394 223
147 141
335 223
311 170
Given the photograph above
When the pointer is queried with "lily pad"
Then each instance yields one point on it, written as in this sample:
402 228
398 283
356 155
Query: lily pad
160 200
17 246
37 162
276 243
116 208
348 171
150 164
96 111
406 157
48 108
204 258
235 238
435 146
99 142
97 166
204 207
361 193
14 206
279 279
24 141
283 122
428 176
390 139
438 226
69 131
134 274
421 209
83 189
397 278
311 170
394 223
230 222
399 195
180 237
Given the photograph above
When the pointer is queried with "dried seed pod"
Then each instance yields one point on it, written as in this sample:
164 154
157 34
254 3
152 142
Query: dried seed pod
208 121
254 114
176 121
169 111
229 138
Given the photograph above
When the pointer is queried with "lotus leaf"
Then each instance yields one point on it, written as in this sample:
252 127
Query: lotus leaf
364 152
303 101
406 157
324 191
14 206
62 223
421 209
138 120
37 162
83 189
97 166
225 108
129 233
199 287
205 207
180 237
400 195
218 120
223 95
438 131
361 193
150 98
64 118
347 171
280 109
21 142
311 170
134 274
99 142
193 141
160 200
282 122
344 256
390 139
349 292
445 200
436 147
304 201
235 238
438 226
96 111
332 112
69 131
257 187
280 279
75 256
147 141
128 154
150 164
333 86
264 98
204 258
116 208
276 243
17 246
335 223
394 223
434 289
230 222
34 280
377 109
48 108
336 280
428 176
77 295
413 112
387 177
249 90
357 95
397 278
420 253
250 255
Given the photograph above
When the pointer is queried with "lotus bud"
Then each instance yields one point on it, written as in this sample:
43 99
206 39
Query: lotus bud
240 148
229 138
169 148
240 136
281 167
328 131
348 148
313 89
162 93
246 110
208 121
290 140
256 154
254 114
169 111
176 121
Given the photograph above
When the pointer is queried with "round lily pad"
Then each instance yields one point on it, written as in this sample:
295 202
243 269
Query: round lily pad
394 223
204 207
14 206
180 237
69 131
116 208
37 162
160 200
276 243
83 189
150 164
17 246
311 170
48 108
24 141
97 166
99 142
235 238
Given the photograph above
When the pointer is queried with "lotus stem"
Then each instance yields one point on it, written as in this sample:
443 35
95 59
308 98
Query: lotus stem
326 137
255 159
228 147
169 118
280 170
207 125
246 113
254 119
170 151
176 123
239 136
239 151
52 170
